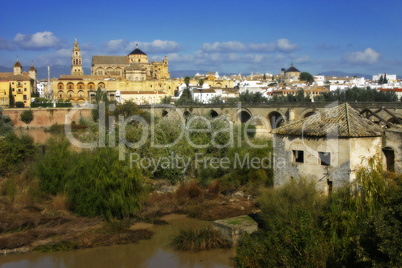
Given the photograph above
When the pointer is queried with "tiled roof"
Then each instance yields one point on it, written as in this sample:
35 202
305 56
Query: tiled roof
292 70
137 51
109 60
340 121
18 77
135 66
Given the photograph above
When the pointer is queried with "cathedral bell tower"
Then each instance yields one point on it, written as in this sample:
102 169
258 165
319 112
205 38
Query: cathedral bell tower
76 60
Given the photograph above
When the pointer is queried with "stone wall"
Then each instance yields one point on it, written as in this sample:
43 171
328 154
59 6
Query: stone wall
393 140
46 117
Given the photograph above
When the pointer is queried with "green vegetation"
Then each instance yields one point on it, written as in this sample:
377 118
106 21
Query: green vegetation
96 183
186 96
6 126
302 229
19 104
304 76
359 94
14 151
100 184
216 100
348 95
166 99
201 239
252 97
12 99
27 116
383 79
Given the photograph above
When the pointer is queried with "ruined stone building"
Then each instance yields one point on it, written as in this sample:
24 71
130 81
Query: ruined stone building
325 147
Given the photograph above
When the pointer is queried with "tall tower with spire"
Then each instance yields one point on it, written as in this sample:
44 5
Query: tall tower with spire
76 60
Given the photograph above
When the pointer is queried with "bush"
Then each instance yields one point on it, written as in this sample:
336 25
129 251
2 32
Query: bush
204 238
53 168
19 104
101 185
290 236
14 151
27 116
6 125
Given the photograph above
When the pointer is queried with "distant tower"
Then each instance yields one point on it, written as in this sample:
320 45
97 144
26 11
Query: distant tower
76 60
17 67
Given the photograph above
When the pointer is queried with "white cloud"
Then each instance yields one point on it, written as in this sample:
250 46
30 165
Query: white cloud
116 45
59 57
368 56
285 45
224 46
156 46
280 45
39 40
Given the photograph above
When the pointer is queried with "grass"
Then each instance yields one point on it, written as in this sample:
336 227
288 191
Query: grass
59 246
201 239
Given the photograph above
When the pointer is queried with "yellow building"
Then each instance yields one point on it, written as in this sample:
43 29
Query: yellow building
133 67
20 84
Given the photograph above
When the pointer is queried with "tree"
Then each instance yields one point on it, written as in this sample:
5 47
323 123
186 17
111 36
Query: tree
6 126
265 77
385 81
187 81
305 76
381 80
201 82
11 101
186 96
27 116
166 100
100 97
216 99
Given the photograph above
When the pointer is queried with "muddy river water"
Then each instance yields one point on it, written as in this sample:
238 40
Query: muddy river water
154 252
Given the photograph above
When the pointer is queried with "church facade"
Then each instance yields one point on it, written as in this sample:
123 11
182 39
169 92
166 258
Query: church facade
122 77
133 67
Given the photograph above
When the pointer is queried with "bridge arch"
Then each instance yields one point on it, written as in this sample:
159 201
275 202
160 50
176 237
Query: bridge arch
306 113
244 115
213 113
276 119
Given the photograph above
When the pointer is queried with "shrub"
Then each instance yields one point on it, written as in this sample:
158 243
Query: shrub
204 238
19 104
53 168
14 151
101 185
27 116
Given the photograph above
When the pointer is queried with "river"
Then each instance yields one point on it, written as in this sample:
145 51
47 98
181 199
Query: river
154 252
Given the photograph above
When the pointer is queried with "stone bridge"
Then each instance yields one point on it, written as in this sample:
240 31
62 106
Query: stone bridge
265 116
270 116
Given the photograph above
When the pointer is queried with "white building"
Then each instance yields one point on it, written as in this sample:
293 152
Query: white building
390 77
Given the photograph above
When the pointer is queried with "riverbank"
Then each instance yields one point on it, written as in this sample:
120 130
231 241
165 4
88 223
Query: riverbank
153 252
46 224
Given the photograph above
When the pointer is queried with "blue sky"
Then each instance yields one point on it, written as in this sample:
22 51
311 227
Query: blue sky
225 36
